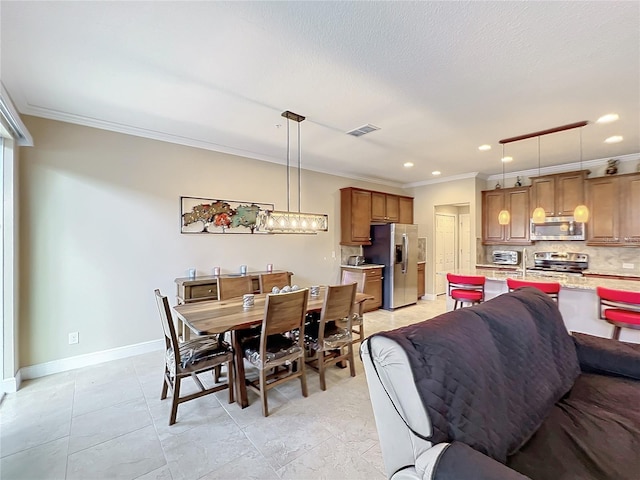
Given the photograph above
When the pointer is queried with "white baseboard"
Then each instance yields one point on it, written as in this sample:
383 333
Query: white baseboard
430 296
11 385
79 361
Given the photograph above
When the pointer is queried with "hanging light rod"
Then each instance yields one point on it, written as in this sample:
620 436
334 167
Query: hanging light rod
293 116
545 132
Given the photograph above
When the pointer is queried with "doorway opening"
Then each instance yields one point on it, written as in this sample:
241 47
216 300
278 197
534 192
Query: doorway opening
452 242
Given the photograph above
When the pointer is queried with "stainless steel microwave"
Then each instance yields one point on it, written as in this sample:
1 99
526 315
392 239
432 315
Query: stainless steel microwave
558 228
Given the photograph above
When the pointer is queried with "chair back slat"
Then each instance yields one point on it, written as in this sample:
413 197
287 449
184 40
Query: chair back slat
284 312
231 287
171 338
270 280
349 276
338 302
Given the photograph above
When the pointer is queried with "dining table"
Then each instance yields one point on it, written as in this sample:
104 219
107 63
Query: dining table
220 316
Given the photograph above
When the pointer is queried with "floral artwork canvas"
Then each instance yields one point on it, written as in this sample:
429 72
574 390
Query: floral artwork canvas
206 215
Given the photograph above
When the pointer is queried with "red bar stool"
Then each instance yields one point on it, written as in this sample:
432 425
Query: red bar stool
466 289
550 288
620 308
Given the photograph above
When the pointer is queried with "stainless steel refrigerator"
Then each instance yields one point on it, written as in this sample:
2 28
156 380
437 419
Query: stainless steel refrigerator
395 246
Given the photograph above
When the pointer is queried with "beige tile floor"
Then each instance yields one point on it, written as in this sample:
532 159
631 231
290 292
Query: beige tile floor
107 421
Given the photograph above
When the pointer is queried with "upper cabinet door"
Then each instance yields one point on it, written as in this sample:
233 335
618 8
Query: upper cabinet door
630 192
543 195
355 216
406 210
569 192
378 207
492 203
602 199
393 208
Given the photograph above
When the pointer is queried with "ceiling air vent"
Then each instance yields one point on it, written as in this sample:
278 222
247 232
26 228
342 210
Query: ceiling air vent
363 130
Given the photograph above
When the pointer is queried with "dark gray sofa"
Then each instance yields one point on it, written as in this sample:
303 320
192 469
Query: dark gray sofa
501 390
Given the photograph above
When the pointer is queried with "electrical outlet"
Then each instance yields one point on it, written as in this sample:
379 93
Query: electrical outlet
627 265
73 338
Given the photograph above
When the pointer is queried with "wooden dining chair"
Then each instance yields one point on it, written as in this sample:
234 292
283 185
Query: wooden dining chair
278 344
231 287
357 319
326 343
270 280
190 358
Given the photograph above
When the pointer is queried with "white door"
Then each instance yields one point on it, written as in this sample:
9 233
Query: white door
445 249
464 241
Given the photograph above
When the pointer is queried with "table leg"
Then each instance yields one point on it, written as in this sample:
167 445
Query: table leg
241 387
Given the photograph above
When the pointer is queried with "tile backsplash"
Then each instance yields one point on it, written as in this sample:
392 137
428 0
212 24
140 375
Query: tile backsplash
600 258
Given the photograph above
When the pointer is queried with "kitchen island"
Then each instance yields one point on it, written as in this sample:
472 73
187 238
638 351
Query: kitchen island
577 300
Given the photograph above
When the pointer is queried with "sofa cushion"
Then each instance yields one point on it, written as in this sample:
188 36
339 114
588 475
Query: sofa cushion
592 434
488 375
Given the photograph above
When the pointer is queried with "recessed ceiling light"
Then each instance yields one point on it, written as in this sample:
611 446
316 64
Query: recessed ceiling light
506 159
484 148
608 118
436 172
614 139
408 164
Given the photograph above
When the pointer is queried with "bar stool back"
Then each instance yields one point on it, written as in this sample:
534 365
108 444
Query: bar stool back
621 308
550 288
466 289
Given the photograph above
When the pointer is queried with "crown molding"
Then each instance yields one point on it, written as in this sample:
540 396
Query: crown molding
566 167
443 180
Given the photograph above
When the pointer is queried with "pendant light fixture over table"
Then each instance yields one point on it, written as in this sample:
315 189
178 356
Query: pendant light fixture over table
581 213
539 214
504 217
276 221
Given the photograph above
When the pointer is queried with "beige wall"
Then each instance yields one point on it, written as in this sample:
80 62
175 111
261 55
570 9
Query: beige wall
100 230
426 200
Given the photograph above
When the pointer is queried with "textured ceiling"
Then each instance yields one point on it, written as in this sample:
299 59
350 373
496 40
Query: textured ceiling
439 78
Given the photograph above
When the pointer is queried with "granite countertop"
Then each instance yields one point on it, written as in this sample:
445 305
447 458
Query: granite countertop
615 273
566 281
364 266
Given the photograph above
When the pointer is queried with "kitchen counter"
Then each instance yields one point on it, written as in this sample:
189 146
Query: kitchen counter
364 266
577 300
566 281
614 273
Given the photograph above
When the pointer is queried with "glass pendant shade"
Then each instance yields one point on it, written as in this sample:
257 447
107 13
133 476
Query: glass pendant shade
292 222
504 217
581 214
538 215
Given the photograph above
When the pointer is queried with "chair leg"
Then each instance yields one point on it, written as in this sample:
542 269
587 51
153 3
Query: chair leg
230 380
303 377
174 400
263 392
352 367
216 373
165 385
616 332
323 384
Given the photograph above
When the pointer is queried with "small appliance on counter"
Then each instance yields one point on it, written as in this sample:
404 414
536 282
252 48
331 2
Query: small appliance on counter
505 257
356 260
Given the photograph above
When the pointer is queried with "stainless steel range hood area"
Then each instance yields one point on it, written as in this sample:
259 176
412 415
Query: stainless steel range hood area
557 228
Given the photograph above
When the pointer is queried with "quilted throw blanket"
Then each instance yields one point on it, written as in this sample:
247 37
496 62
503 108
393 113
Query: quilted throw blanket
489 375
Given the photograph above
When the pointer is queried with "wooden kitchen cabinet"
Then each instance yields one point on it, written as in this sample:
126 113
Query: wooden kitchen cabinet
355 216
405 207
558 194
516 200
372 285
421 284
614 210
384 207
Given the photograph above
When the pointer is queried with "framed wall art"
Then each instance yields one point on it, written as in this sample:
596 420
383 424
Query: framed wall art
207 215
